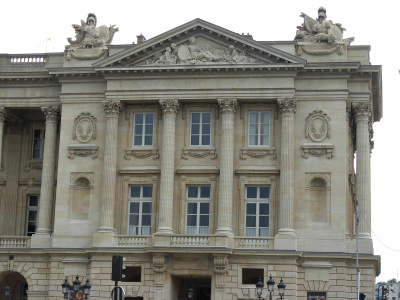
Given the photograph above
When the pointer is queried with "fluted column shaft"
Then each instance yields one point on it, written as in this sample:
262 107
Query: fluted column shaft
363 176
165 214
3 115
225 194
48 171
112 110
286 199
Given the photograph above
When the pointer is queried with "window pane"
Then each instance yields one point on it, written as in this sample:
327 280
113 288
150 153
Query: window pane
147 191
138 118
192 208
33 201
264 232
32 215
31 228
148 129
264 192
264 209
206 118
133 230
251 221
205 140
191 220
206 129
146 230
138 129
195 129
251 208
253 118
195 117
191 230
134 220
137 141
134 208
204 220
135 191
192 191
204 208
146 207
264 140
36 153
146 220
205 192
251 192
149 118
148 140
195 140
251 232
253 140
253 129
263 221
204 230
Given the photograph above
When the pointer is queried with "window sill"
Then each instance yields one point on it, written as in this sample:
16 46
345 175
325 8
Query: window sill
258 152
199 152
141 152
317 149
83 150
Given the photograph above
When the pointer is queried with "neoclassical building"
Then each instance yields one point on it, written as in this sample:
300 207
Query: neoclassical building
206 158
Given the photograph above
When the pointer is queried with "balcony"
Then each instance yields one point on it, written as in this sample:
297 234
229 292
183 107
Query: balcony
15 241
253 243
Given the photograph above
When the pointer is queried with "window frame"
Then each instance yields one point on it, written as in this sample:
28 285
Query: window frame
198 200
258 201
41 139
258 135
31 208
200 129
143 133
140 200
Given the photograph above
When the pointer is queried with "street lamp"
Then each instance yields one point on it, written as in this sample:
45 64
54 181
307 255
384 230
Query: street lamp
270 283
7 291
190 290
384 288
76 287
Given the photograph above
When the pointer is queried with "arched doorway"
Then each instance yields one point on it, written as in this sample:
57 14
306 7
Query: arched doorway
16 282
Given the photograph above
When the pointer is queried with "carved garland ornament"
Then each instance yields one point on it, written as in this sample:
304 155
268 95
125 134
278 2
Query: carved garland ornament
84 127
318 126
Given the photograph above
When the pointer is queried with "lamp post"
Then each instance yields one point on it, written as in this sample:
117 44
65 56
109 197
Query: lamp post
384 289
76 287
7 291
270 283
191 290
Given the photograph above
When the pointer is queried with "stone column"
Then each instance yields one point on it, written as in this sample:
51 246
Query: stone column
3 115
51 113
363 176
165 213
286 197
225 194
112 110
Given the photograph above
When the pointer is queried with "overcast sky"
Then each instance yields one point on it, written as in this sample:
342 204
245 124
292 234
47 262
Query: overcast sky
44 26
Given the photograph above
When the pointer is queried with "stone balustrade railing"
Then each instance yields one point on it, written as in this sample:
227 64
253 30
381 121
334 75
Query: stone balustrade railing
185 240
245 242
28 60
134 241
15 241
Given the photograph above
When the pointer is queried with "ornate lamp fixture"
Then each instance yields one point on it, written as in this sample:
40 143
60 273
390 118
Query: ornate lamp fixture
7 291
71 292
270 283
190 290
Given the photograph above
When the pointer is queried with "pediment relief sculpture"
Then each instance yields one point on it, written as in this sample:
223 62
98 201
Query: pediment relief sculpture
320 36
200 52
90 41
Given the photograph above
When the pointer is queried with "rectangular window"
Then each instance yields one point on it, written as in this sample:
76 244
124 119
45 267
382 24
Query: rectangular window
259 127
198 210
38 144
316 296
257 211
140 202
143 129
200 129
251 276
32 214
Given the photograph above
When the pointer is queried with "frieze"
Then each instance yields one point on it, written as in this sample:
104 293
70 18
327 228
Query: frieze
257 153
193 53
141 153
318 126
199 153
84 127
83 150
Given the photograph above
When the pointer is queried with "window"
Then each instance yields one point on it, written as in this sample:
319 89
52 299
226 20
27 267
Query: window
200 129
32 214
251 276
38 144
132 274
259 127
198 210
316 296
257 211
143 129
140 202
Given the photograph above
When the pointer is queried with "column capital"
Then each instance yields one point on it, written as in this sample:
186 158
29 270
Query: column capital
3 114
363 111
169 106
227 106
112 107
287 105
51 112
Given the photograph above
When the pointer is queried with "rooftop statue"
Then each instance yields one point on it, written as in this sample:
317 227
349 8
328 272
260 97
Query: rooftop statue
88 36
321 31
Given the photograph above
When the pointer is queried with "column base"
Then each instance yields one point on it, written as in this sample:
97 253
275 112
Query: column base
41 240
164 230
285 240
225 231
104 237
162 239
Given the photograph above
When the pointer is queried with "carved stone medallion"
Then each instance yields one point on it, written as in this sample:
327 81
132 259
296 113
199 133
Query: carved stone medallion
84 127
318 126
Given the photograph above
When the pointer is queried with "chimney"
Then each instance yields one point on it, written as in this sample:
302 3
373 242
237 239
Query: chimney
140 38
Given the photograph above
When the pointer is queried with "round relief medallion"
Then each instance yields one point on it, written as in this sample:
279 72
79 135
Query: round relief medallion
84 128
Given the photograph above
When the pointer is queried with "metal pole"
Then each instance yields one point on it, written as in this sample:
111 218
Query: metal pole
358 269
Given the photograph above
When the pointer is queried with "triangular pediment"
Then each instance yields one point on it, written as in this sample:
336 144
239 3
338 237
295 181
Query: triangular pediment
198 43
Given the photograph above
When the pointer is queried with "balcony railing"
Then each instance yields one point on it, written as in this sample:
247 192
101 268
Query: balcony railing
185 240
28 60
134 241
245 242
15 241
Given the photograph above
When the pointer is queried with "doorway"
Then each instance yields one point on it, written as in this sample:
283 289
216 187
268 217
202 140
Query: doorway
201 288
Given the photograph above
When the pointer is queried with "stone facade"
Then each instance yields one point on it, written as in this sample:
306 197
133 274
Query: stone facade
204 157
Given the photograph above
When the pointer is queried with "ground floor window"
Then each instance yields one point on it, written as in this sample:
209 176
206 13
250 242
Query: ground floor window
316 296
